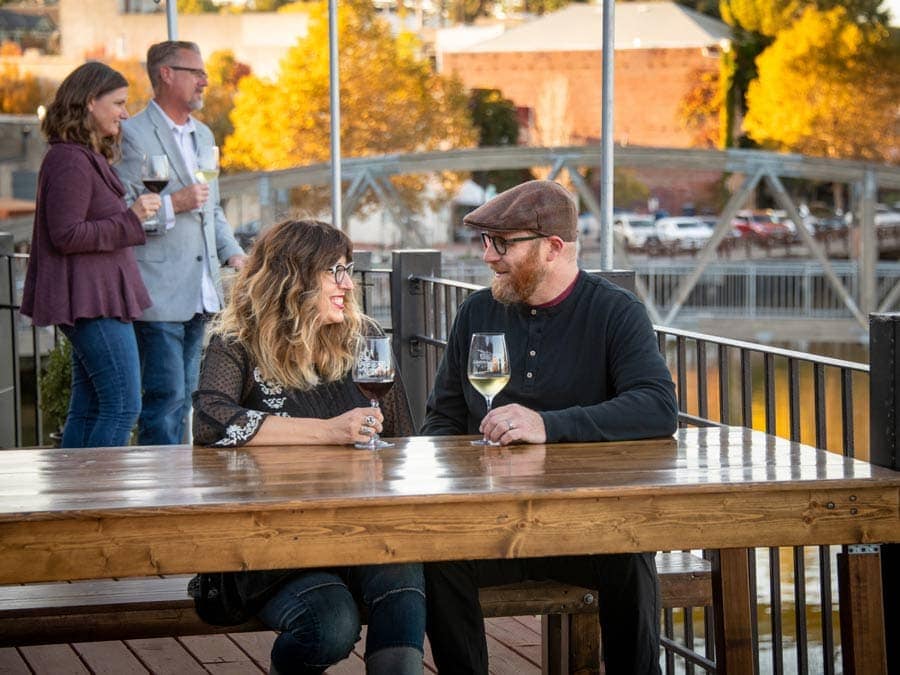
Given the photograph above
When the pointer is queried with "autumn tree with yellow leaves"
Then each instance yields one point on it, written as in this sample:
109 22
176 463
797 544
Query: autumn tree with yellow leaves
225 72
391 100
828 86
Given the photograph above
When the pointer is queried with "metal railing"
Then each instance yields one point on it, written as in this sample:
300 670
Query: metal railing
722 381
719 381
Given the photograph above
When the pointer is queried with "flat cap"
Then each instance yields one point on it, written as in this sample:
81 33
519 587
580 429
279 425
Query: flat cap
540 206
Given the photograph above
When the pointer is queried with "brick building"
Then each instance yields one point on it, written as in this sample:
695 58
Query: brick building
551 69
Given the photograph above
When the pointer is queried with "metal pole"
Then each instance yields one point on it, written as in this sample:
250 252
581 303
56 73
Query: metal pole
606 139
172 19
335 90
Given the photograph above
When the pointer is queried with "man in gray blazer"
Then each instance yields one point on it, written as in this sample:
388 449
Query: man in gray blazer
180 262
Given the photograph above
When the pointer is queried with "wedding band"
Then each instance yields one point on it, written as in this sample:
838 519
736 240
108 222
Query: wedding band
365 431
510 426
370 421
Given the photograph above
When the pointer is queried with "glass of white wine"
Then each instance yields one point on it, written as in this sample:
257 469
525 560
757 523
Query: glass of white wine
207 163
488 368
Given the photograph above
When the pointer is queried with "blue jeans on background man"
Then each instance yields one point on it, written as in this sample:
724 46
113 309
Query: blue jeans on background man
106 385
319 621
170 369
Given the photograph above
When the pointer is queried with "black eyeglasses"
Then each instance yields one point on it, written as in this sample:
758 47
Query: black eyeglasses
501 244
196 72
340 271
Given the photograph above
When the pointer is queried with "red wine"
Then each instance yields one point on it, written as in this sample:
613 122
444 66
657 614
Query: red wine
374 389
155 186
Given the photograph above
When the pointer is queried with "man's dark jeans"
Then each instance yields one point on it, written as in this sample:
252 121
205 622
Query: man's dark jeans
628 598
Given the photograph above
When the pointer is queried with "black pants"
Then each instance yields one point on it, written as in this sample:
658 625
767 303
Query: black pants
628 598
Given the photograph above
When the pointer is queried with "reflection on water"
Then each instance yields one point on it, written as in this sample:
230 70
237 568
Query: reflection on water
833 399
857 400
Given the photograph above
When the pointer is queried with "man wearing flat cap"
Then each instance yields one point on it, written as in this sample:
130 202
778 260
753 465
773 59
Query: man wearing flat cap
585 367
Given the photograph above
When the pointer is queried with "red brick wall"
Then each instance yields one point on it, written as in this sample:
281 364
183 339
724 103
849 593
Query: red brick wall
649 86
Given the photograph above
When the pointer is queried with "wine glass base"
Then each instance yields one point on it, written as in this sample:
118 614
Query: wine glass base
373 445
482 441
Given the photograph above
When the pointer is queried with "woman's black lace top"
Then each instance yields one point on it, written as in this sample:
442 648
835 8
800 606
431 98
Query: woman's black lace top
233 399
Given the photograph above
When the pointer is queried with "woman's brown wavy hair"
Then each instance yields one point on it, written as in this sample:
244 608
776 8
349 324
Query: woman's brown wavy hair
68 118
273 307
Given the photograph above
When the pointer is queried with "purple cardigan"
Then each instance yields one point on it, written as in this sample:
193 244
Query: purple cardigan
82 263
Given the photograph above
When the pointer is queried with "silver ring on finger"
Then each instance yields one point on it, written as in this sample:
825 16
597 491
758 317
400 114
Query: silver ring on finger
510 426
369 420
365 431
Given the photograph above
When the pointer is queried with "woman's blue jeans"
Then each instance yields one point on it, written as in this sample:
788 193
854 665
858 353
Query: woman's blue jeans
106 383
317 614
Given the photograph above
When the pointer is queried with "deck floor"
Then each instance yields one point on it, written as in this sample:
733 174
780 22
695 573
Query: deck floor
514 645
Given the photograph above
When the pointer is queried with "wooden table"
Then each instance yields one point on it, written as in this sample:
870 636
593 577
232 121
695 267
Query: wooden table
110 512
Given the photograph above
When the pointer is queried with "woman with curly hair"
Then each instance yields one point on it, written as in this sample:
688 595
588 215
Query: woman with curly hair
82 275
277 371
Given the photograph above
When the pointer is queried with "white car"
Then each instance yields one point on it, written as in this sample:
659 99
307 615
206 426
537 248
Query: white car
634 228
680 232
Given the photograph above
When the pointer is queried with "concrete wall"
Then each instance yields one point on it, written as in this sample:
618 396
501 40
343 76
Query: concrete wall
96 26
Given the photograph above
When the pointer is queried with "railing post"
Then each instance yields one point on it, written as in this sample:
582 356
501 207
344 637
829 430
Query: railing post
10 424
408 319
884 450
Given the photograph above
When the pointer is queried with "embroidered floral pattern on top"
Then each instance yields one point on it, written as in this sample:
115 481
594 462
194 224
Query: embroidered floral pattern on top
236 434
268 388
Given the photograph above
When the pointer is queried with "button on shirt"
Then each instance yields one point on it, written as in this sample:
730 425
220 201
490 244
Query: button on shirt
185 139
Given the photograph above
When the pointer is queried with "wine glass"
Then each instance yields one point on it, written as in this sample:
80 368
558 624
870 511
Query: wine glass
207 163
155 177
373 373
488 369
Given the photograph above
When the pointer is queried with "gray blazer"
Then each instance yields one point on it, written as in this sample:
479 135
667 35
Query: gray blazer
171 263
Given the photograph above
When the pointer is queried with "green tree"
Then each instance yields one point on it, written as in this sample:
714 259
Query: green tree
391 100
225 72
828 86
497 123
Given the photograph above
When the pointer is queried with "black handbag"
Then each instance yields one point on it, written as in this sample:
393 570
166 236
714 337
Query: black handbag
232 598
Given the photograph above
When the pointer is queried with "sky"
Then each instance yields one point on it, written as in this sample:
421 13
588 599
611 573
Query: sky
893 6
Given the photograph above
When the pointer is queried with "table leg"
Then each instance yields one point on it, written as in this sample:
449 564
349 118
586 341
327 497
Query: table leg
731 603
862 611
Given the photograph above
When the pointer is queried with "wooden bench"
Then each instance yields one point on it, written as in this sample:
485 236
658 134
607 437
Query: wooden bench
148 607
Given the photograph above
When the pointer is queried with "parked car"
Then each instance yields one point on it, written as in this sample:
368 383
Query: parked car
761 226
680 233
634 228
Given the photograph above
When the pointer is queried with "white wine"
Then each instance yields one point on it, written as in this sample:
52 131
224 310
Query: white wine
206 175
489 384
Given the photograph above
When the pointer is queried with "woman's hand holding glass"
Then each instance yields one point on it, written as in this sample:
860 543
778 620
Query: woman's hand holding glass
146 206
357 426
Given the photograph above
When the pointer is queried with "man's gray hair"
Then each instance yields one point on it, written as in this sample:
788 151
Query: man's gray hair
164 54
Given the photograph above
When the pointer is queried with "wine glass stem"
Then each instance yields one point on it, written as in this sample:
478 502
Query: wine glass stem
488 400
373 441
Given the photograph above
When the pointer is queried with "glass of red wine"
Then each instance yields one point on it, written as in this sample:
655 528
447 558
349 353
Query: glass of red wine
155 177
373 373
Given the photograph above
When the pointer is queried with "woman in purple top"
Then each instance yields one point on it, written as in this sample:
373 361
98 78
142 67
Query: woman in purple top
82 275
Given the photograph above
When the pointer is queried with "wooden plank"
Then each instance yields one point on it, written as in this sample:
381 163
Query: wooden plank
517 636
502 660
731 601
219 655
109 658
257 645
53 659
11 662
862 613
165 656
